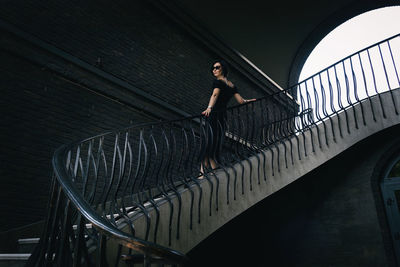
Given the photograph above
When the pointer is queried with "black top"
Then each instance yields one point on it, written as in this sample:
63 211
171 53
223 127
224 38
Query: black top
226 93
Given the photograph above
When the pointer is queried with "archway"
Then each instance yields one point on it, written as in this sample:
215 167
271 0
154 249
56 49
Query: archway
329 25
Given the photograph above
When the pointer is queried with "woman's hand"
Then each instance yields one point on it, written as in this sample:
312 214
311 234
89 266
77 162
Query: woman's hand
207 112
249 100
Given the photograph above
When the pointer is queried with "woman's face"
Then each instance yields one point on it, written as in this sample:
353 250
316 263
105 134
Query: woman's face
217 70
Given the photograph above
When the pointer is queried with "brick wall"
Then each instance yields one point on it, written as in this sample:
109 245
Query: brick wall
49 100
41 111
133 40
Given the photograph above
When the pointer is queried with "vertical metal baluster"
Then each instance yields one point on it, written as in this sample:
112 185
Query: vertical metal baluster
75 167
154 157
122 210
107 185
253 140
275 137
142 183
186 158
172 186
356 94
303 108
226 163
210 145
312 110
282 134
238 147
397 75
374 83
113 202
279 133
290 133
332 105
163 184
252 146
63 240
316 110
203 143
387 79
292 122
384 67
346 82
366 88
233 149
297 120
242 144
394 63
86 170
202 155
117 175
129 179
338 89
269 129
195 162
217 155
140 179
263 121
339 101
97 170
245 145
324 111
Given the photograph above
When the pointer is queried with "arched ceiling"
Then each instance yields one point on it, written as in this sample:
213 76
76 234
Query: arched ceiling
277 36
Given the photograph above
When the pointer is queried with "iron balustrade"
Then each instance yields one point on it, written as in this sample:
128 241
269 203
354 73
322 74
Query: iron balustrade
100 183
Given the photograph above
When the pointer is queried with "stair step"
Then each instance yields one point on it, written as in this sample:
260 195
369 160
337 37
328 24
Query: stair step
15 256
27 245
23 241
14 260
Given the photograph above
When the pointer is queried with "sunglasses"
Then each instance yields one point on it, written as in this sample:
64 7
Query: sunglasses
216 68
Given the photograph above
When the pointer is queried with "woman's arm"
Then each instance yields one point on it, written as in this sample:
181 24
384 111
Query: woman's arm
211 103
241 100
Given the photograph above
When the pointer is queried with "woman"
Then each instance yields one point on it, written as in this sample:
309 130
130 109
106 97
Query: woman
223 91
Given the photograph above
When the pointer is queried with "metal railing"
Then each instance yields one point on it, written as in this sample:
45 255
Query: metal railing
101 183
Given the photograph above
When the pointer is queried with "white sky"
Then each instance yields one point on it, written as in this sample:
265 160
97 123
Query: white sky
352 36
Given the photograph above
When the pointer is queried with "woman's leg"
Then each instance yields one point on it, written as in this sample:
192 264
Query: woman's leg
207 162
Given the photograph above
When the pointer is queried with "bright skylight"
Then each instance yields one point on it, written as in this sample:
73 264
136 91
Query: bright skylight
352 36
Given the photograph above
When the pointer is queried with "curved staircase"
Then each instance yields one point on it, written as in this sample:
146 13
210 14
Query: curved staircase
134 195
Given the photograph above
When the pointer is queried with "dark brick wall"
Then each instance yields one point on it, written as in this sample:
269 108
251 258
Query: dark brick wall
48 100
41 111
133 40
333 216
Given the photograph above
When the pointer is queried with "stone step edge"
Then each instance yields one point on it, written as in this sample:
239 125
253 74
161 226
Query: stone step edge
22 241
15 256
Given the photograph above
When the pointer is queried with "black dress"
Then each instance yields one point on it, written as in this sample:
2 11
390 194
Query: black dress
215 126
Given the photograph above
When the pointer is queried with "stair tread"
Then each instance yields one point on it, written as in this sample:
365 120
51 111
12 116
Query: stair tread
15 256
28 240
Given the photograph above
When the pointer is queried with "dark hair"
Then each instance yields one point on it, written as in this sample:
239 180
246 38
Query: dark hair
224 67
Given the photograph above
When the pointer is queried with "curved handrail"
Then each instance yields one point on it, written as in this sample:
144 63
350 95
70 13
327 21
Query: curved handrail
106 181
103 225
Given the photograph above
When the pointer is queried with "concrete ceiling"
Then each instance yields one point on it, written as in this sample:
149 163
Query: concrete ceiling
277 36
